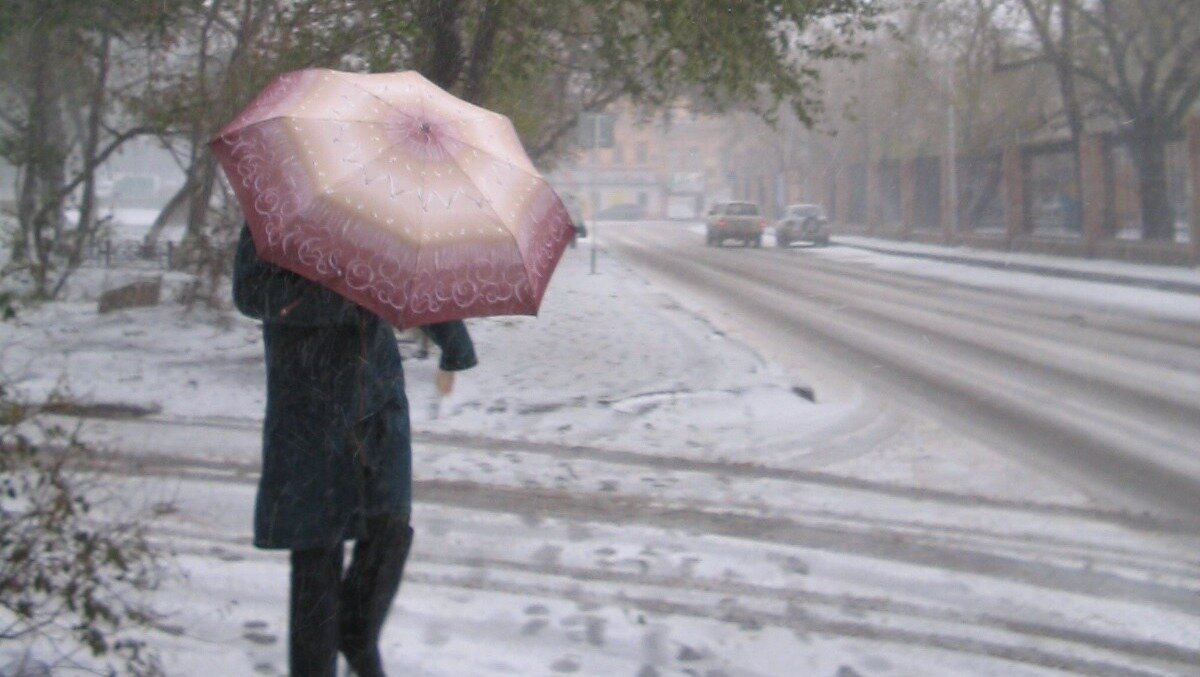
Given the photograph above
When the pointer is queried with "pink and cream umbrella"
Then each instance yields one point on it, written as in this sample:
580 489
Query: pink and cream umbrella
397 195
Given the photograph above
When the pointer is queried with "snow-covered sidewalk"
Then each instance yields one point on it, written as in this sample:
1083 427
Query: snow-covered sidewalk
609 362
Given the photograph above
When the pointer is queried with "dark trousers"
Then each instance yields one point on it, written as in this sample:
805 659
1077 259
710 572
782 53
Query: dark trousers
331 612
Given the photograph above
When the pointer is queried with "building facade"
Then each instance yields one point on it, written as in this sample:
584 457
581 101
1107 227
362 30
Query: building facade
665 167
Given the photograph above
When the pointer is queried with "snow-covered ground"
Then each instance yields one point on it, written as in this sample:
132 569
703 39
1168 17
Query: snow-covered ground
620 488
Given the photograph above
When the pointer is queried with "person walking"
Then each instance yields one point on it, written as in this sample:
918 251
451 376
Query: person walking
337 458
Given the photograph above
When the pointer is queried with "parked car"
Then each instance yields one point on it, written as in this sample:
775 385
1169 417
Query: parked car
802 223
622 212
740 221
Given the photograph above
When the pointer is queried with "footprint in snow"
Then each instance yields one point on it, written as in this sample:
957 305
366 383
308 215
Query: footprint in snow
794 565
436 635
225 556
595 631
172 629
687 566
259 637
547 554
578 532
688 655
534 626
566 664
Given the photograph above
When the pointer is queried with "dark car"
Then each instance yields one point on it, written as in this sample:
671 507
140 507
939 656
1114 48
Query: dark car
802 223
622 212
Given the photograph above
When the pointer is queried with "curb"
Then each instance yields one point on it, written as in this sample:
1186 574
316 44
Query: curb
1049 271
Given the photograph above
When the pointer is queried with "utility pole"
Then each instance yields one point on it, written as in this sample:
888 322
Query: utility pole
952 150
595 191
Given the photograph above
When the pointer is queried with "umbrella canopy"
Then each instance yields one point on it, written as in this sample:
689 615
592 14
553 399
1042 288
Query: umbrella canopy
394 193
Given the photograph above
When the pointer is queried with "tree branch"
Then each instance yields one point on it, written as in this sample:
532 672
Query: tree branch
98 160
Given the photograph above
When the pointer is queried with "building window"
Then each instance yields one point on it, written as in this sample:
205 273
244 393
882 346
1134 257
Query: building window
642 153
618 154
643 200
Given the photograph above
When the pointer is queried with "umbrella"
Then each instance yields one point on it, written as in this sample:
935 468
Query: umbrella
394 193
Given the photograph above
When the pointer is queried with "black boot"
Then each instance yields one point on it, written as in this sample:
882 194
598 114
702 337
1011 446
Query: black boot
313 618
367 592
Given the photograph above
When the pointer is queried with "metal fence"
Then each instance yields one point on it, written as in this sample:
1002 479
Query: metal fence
928 197
891 211
1053 191
130 253
856 200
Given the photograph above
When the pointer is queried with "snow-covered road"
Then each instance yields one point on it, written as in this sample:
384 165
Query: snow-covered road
1098 384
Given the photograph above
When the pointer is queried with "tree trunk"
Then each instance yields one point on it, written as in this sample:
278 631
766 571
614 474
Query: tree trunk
483 45
195 240
441 57
171 210
85 227
39 207
1158 218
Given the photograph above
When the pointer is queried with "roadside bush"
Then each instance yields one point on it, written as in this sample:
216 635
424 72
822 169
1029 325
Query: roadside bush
72 575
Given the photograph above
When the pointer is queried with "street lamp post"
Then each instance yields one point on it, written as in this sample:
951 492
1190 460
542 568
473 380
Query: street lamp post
595 191
952 150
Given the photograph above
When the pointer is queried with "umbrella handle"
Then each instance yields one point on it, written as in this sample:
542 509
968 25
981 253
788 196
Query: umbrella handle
289 308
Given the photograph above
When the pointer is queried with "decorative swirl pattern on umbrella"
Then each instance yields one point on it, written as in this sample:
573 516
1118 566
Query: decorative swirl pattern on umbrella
395 194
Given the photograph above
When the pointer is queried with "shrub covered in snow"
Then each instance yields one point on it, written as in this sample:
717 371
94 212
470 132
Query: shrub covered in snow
72 568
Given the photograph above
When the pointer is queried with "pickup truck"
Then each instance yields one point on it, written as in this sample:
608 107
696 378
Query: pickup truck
802 223
734 221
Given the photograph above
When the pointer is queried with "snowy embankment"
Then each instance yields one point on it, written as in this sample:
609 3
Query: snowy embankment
1147 289
620 489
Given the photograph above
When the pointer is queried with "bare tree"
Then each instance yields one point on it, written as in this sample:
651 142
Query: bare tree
59 124
1054 23
1141 58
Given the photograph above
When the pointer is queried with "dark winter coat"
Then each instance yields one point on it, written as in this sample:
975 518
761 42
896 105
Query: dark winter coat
336 440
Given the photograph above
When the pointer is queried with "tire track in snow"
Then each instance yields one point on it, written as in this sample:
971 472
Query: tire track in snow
974 537
932 377
1142 521
880 542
